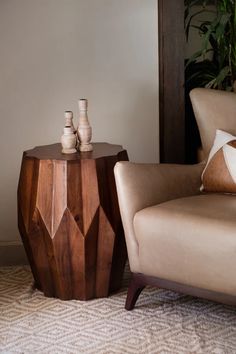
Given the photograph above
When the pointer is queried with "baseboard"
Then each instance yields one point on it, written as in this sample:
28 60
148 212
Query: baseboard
12 253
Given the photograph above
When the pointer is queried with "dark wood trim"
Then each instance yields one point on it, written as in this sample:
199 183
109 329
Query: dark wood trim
139 281
171 80
12 254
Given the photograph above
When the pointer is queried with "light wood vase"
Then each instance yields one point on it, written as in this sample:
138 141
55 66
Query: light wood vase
69 120
84 129
68 141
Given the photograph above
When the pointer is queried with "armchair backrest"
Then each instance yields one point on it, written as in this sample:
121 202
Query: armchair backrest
213 109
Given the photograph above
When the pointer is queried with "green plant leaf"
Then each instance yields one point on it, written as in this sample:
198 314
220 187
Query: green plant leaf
219 79
196 56
219 37
188 25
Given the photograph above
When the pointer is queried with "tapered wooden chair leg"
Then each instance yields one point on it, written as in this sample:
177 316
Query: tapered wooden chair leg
135 289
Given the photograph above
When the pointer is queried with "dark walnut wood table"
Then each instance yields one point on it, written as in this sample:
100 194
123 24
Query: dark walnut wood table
69 220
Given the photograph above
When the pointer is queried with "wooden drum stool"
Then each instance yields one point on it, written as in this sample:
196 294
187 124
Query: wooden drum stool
69 220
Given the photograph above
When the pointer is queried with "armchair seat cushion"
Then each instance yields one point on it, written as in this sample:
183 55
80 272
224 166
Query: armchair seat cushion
191 241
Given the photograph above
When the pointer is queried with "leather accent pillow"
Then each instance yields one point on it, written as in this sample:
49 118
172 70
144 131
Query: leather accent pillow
219 175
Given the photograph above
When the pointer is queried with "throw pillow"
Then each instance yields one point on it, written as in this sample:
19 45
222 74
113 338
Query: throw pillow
219 174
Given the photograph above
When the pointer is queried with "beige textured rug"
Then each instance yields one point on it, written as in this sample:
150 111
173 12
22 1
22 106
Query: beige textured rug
162 322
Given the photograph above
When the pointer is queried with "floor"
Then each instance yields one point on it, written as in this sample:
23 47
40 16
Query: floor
162 322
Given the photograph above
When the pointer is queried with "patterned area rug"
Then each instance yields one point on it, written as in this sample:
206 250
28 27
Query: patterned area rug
162 322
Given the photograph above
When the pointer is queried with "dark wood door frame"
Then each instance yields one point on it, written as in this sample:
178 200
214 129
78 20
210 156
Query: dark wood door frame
171 80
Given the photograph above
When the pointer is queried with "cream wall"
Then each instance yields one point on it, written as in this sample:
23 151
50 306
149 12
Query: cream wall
55 51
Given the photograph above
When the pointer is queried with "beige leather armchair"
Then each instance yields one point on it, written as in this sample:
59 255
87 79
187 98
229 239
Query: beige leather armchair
178 238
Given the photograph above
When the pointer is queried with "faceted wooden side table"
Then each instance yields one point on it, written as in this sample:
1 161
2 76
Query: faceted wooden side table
69 220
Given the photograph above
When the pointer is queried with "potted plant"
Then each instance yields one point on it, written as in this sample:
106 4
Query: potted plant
218 37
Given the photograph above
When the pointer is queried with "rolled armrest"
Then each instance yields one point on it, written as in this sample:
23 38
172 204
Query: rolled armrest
142 185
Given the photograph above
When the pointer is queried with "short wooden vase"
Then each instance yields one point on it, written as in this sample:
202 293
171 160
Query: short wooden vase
68 141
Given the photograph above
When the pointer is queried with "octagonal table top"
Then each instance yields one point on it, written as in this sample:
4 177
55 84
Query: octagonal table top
53 152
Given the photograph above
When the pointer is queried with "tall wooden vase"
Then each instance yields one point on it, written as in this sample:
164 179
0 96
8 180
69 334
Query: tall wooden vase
84 129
